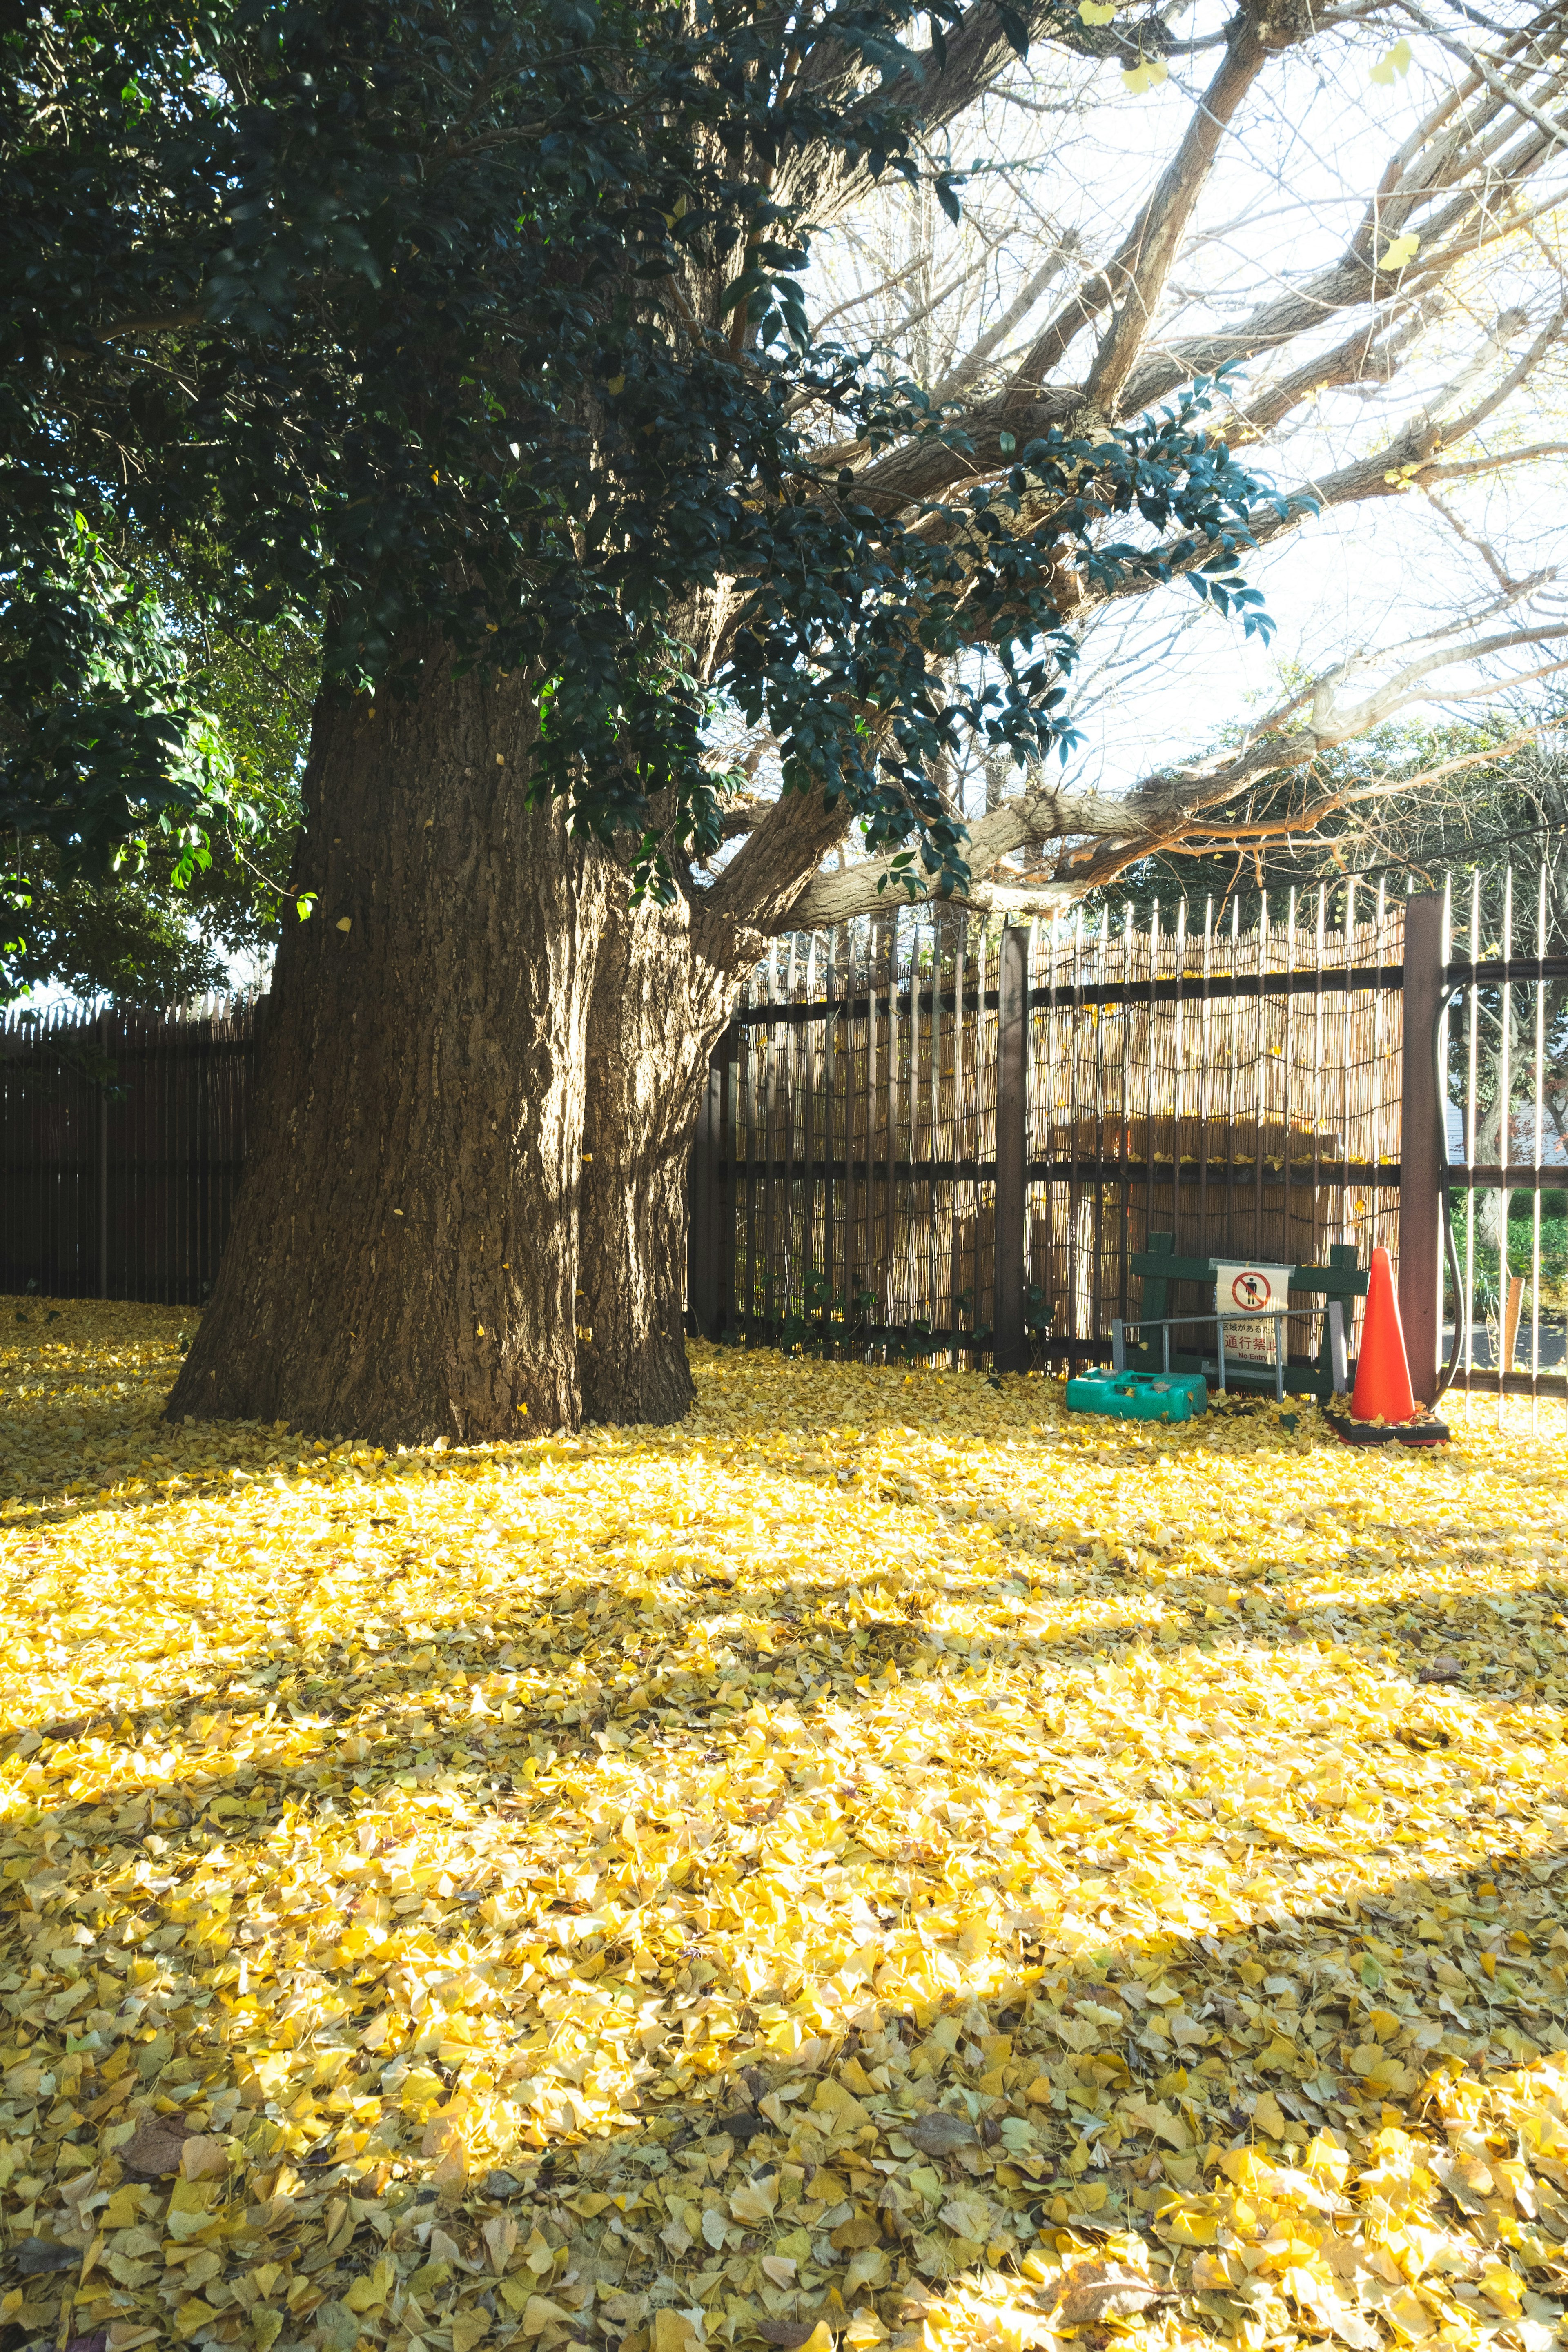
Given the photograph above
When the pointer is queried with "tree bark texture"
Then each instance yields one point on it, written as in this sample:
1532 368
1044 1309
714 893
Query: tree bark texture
660 1005
403 1263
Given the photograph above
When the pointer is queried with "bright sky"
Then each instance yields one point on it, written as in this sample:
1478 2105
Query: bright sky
1159 680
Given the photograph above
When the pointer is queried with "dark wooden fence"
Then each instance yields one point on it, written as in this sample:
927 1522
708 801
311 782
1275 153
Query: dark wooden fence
934 1138
927 1136
121 1141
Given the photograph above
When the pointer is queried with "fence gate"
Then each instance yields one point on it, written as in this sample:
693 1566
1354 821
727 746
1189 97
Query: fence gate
928 1135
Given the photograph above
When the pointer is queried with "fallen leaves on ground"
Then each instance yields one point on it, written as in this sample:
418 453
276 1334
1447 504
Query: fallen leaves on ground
885 1860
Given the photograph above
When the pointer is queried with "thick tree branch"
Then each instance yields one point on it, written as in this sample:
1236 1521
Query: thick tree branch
1100 834
1138 275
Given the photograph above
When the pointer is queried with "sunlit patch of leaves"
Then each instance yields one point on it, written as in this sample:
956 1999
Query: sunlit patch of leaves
885 1859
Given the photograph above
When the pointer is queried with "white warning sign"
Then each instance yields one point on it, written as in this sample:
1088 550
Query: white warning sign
1260 1291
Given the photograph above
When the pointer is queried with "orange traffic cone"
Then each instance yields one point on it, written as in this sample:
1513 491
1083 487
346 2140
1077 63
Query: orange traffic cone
1382 1390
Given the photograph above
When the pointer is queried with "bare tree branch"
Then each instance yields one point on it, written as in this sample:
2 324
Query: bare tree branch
1172 807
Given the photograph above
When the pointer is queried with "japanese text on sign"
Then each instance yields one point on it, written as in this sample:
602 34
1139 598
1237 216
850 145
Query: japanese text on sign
1257 1292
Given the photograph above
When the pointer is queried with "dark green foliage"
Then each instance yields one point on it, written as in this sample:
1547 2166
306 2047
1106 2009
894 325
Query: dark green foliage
181 904
386 305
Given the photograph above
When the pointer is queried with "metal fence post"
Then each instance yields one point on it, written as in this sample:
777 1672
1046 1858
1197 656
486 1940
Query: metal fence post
1010 1342
1423 1147
103 1160
706 1205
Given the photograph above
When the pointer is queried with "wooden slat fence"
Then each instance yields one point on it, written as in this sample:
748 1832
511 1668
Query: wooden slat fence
861 1177
121 1142
927 1135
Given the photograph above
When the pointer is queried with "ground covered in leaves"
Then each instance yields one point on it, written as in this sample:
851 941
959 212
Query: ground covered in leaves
885 1860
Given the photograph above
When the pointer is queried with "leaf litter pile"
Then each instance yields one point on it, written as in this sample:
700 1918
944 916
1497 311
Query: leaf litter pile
887 1861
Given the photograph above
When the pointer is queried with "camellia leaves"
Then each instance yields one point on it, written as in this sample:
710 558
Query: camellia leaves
565 464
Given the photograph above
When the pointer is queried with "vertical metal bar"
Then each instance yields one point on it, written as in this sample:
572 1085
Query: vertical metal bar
1288 1255
177 1239
174 1234
1102 943
830 1125
890 1308
1259 1091
749 1048
1124 1120
702 1224
975 1119
933 1047
770 1144
1420 1169
873 1106
1097 1315
1075 1112
103 1160
1444 1082
1205 1077
901 1085
1178 1056
1008 1342
1505 1125
809 1125
789 1043
1346 1212
1318 944
1232 1060
851 1064
721 1190
1472 1101
698 1215
1154 948
1540 1093
955 1278
729 1198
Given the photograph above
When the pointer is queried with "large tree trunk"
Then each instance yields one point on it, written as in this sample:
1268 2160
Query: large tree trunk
403 1259
658 1005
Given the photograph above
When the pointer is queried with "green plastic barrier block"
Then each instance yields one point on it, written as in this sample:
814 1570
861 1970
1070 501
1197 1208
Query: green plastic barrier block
1140 1396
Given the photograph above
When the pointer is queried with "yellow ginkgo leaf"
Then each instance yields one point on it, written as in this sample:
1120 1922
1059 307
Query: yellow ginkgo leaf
1401 250
258 1752
1147 74
1395 60
1096 12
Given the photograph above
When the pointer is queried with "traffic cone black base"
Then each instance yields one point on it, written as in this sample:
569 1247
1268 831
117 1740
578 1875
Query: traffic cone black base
1404 1433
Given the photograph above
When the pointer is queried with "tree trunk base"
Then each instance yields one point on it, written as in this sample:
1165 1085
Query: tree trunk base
403 1259
659 1007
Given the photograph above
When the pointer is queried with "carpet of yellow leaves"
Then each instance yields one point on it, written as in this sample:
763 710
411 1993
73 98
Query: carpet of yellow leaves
885 1860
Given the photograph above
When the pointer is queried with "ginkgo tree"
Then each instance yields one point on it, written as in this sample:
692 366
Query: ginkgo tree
488 343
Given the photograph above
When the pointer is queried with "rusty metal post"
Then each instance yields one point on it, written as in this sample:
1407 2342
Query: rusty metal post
1010 1342
1423 1147
707 1200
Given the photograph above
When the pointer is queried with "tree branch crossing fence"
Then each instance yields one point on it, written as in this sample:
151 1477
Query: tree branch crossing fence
926 1136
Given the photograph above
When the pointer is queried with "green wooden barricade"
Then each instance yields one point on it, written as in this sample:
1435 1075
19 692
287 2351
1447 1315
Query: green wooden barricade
1147 1344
